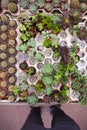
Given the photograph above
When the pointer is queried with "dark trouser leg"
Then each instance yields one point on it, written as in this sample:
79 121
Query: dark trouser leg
61 121
34 121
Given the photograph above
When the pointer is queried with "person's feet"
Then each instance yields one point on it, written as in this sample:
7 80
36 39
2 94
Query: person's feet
35 109
54 107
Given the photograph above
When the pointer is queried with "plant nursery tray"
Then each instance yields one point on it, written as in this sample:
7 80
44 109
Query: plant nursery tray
43 51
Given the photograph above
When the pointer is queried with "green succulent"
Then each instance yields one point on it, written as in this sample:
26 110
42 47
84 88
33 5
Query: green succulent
48 7
48 90
23 3
40 3
25 36
23 47
47 69
32 7
23 85
39 56
56 3
47 80
32 99
22 28
31 42
40 26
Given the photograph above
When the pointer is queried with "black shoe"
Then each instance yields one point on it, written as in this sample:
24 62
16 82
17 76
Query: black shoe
36 109
54 107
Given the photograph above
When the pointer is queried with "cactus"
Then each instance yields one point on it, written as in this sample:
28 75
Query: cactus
32 99
4 36
12 7
75 4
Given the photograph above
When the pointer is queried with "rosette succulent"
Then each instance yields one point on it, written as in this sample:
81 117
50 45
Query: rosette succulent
47 69
32 99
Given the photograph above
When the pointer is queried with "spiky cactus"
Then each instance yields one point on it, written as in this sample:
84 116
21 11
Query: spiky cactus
74 4
12 7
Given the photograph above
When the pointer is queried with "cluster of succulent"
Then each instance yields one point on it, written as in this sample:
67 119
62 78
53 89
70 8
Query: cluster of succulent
48 6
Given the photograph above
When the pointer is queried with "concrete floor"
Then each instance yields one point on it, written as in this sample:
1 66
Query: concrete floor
13 116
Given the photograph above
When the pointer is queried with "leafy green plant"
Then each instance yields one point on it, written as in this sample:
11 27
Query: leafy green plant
39 86
16 90
64 92
22 28
25 36
47 69
63 72
47 42
75 30
40 26
32 99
